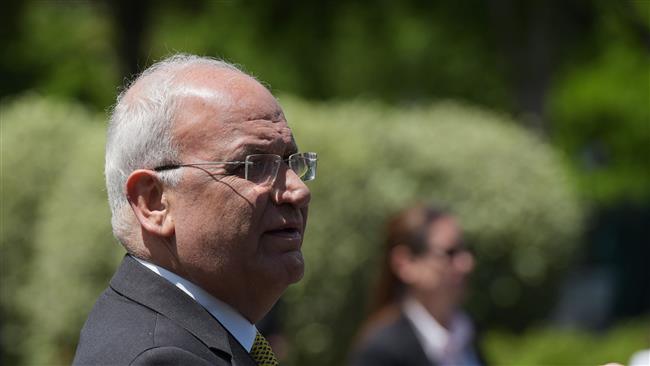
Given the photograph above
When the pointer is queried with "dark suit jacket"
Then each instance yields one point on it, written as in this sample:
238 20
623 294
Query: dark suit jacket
395 344
142 319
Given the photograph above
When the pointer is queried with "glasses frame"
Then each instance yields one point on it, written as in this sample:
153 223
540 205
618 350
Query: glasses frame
448 255
309 156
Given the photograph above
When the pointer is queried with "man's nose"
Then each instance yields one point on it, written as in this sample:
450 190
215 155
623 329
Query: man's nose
289 188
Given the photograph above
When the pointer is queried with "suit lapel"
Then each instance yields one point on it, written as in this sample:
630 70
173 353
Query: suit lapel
149 289
410 343
239 355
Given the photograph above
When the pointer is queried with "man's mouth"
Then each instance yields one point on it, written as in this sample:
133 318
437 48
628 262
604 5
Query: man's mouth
287 232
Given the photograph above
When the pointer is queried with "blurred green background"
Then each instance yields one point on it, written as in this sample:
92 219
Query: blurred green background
531 119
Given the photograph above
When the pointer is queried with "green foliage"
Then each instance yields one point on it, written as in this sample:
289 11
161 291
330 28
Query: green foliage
549 346
507 187
56 239
63 49
316 50
600 110
338 49
74 254
407 52
395 51
37 144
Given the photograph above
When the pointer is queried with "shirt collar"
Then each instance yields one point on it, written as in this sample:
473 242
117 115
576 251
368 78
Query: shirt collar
439 343
432 335
243 331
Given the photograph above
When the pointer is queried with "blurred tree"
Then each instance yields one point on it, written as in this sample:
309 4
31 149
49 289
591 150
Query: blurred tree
599 105
519 213
548 346
74 253
600 109
130 21
509 189
59 48
37 143
534 38
507 55
501 54
575 71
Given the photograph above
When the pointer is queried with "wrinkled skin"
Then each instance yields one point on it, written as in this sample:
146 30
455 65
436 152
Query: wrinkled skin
239 241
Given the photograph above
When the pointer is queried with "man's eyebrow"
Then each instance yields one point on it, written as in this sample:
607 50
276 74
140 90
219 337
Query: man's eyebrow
258 149
243 151
270 116
253 149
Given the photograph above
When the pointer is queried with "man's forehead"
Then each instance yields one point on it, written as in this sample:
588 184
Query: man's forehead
237 95
234 113
263 136
235 140
221 80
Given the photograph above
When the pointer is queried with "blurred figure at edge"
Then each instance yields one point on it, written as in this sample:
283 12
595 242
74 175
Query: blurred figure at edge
416 317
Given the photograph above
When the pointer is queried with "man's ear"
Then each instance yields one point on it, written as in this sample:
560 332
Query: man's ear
148 199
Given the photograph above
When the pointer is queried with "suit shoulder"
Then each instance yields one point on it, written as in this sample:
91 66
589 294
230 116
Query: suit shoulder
170 355
384 336
117 329
169 334
388 344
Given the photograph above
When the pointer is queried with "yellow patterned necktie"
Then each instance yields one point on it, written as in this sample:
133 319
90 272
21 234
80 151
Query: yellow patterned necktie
262 352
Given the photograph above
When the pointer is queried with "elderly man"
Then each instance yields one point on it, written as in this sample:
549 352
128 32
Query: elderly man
206 188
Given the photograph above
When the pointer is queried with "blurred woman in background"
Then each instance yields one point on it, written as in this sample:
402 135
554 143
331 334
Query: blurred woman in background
416 317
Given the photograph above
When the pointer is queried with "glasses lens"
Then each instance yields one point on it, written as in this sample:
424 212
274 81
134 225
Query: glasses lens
304 165
262 168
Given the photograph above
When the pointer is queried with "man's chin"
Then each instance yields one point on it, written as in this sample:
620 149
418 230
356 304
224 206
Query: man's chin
295 266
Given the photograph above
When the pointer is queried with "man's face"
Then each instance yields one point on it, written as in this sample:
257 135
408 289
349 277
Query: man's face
236 239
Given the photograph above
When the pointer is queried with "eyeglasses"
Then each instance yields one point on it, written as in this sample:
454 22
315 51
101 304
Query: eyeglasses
261 168
449 253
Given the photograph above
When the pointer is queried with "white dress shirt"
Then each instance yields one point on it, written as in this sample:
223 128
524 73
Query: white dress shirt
243 331
442 346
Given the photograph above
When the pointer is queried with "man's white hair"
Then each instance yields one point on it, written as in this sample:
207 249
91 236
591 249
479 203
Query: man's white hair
140 133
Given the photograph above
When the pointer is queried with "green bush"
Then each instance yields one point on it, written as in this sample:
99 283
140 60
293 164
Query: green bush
74 254
548 346
38 142
507 187
601 118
